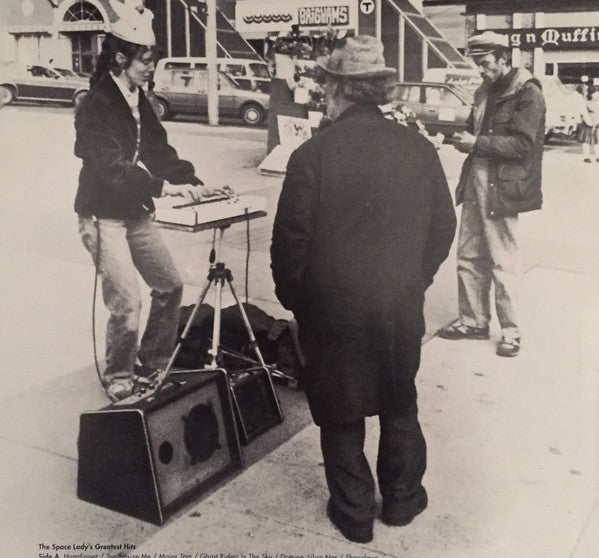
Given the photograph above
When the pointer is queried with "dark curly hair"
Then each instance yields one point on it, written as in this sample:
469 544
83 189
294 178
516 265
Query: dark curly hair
107 59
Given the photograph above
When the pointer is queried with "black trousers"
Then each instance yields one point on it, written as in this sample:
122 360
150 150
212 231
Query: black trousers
401 464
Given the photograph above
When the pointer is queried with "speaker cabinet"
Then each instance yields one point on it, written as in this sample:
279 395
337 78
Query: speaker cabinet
255 401
147 454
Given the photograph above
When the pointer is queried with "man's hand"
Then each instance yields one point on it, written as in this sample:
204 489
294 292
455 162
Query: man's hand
465 142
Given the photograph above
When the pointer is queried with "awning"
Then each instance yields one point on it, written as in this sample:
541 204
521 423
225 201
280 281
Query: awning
30 30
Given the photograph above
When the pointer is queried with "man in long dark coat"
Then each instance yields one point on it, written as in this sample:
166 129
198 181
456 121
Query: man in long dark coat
364 220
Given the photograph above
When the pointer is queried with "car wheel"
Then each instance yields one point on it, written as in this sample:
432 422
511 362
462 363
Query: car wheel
252 114
7 95
163 111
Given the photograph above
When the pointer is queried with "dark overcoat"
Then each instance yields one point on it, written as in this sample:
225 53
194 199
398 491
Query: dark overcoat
111 184
364 220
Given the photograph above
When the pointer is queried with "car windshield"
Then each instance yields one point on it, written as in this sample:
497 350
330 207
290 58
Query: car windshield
260 70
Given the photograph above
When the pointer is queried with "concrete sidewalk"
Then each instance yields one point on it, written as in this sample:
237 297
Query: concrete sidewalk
512 455
512 442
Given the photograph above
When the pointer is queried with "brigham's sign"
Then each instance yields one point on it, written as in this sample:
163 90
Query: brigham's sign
264 16
553 38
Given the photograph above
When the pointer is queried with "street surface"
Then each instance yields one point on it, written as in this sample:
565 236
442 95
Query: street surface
46 281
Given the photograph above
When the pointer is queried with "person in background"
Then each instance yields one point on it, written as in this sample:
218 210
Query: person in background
500 178
590 125
127 162
364 220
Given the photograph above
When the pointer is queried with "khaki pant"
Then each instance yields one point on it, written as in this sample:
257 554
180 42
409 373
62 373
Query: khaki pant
487 253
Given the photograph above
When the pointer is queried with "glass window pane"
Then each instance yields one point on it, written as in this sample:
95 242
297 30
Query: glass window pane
405 6
260 70
409 93
442 96
449 52
423 25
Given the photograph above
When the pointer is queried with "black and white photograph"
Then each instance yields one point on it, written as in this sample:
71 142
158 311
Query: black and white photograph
299 278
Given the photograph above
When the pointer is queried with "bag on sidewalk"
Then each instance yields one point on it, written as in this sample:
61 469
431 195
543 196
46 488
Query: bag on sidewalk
276 339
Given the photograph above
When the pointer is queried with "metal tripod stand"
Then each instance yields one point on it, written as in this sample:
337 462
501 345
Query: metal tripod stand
219 274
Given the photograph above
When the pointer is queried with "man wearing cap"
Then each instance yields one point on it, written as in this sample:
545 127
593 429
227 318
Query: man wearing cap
364 221
501 178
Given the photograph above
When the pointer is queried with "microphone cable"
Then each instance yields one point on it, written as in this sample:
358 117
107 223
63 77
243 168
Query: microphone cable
94 297
247 253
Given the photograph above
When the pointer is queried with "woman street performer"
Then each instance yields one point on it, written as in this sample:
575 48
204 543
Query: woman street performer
127 161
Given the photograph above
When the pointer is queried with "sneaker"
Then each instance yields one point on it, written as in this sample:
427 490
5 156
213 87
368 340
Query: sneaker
508 347
587 160
461 331
119 389
354 533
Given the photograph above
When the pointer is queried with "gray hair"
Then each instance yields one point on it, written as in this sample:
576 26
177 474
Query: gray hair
377 91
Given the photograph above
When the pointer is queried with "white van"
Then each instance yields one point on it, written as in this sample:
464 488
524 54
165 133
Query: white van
249 74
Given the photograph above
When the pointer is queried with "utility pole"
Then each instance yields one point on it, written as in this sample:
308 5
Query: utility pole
211 60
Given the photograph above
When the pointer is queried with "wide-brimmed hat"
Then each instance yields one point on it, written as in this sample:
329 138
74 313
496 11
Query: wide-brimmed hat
134 23
360 57
485 43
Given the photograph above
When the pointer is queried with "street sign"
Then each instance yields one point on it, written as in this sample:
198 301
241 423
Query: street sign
367 6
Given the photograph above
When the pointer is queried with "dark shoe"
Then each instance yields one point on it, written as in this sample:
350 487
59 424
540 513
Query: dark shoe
398 516
508 347
461 331
354 533
587 160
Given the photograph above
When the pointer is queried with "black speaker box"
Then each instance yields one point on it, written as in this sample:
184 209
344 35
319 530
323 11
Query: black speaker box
147 454
255 401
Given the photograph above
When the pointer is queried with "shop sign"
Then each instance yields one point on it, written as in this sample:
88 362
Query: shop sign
265 16
553 38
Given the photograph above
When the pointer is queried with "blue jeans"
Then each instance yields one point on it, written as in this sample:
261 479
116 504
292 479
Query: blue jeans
127 247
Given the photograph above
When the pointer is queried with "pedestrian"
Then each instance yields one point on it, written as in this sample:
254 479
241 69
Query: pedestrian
364 220
590 125
501 178
127 161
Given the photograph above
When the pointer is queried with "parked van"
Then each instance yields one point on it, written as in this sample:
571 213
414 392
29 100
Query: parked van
181 87
249 74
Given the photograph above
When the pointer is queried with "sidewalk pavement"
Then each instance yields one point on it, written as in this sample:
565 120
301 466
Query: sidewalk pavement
512 443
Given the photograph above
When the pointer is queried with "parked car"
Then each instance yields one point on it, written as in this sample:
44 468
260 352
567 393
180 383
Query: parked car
249 74
181 87
39 83
440 107
563 114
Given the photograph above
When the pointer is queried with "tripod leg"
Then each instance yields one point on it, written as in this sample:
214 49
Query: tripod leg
248 326
187 328
218 301
254 345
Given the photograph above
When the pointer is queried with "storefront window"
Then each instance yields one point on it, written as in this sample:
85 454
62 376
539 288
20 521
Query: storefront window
83 11
85 52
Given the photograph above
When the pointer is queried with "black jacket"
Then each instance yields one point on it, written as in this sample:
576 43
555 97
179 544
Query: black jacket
513 146
364 220
110 186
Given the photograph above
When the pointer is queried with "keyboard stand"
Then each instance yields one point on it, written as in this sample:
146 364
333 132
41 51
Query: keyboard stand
218 275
